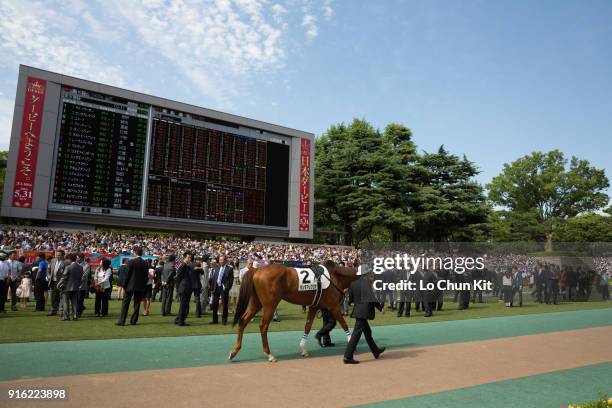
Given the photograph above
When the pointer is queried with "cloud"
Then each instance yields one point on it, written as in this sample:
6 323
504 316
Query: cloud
217 45
6 120
310 22
328 11
31 33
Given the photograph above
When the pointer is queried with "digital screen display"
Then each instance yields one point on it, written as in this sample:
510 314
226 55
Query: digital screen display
100 153
200 173
197 169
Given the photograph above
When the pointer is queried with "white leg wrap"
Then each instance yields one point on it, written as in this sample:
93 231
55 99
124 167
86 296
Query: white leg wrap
303 344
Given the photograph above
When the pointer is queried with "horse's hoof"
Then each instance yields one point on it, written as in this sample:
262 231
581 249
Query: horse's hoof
305 354
271 358
232 355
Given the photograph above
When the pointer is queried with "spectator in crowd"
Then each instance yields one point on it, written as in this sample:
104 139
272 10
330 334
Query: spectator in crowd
603 285
148 293
85 281
135 284
221 282
204 282
184 284
102 287
168 274
25 289
4 272
197 271
122 273
40 282
15 276
507 288
517 286
235 291
70 284
159 266
56 270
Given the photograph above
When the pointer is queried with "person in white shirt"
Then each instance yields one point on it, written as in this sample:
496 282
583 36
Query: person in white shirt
102 287
4 276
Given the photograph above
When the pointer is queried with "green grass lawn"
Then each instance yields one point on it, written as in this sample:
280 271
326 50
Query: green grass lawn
27 325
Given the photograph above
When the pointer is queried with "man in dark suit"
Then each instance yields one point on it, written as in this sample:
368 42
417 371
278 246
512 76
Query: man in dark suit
221 281
329 323
362 295
184 286
196 272
157 281
167 281
54 273
69 284
429 295
136 278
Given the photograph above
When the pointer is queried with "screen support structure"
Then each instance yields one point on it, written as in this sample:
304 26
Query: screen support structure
145 178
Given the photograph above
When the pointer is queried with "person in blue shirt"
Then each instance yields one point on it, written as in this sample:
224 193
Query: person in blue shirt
40 282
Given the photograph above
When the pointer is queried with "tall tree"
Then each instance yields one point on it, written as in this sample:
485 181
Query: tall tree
348 162
543 183
399 179
448 202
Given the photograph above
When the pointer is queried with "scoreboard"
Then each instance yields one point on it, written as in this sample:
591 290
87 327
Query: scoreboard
107 156
100 152
200 173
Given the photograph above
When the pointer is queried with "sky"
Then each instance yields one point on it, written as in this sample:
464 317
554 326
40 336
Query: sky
494 80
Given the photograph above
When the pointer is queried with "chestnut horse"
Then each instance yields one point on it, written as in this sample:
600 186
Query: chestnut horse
267 286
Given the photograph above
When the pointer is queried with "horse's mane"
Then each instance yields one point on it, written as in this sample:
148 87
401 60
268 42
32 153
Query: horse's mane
340 270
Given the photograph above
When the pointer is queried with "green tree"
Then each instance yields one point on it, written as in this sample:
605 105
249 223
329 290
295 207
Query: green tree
398 178
513 226
588 227
543 183
448 203
346 161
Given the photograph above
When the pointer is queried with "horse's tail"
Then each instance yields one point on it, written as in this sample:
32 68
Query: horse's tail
247 290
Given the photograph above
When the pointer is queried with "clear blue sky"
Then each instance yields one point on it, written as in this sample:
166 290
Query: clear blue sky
492 79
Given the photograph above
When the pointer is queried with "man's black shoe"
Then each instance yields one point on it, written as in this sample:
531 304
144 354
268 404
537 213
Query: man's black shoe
51 314
120 324
380 351
318 337
329 345
352 361
183 324
428 315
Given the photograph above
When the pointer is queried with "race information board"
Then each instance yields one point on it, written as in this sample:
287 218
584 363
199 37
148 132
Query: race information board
200 173
101 151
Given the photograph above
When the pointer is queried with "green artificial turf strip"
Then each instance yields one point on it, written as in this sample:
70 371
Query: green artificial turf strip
554 389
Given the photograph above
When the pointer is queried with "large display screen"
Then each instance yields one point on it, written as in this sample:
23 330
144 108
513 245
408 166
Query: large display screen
198 172
197 169
101 151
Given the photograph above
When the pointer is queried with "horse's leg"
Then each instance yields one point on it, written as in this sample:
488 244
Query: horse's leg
337 314
268 313
309 320
251 311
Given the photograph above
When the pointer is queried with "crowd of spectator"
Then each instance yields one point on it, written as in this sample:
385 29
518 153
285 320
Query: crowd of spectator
57 251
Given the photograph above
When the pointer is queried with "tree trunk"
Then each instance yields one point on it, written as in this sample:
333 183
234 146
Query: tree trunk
548 244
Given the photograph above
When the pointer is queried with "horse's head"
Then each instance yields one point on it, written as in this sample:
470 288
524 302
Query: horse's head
344 274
